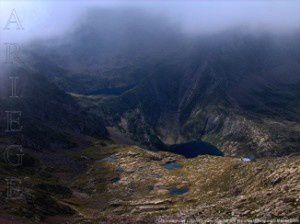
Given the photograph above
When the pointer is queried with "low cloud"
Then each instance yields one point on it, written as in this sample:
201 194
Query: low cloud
48 18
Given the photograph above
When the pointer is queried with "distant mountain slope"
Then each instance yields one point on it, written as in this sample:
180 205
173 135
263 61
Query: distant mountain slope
235 89
109 51
50 118
244 99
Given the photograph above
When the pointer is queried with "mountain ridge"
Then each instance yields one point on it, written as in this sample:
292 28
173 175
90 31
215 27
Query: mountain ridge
168 88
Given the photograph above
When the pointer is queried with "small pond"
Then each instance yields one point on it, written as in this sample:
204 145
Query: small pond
172 166
178 191
115 180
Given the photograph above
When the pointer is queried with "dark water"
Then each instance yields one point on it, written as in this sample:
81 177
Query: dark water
172 166
178 191
194 149
116 179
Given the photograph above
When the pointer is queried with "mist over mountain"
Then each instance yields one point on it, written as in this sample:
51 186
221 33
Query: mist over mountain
237 89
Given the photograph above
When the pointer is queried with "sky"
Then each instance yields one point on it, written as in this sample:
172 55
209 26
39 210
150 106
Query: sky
46 18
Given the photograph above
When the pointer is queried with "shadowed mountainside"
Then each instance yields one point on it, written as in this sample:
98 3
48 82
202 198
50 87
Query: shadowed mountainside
236 90
50 118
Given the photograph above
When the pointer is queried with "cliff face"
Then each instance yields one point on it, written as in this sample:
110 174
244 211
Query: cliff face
241 96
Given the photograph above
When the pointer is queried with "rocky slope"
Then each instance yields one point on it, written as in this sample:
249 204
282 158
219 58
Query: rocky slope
132 185
161 186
